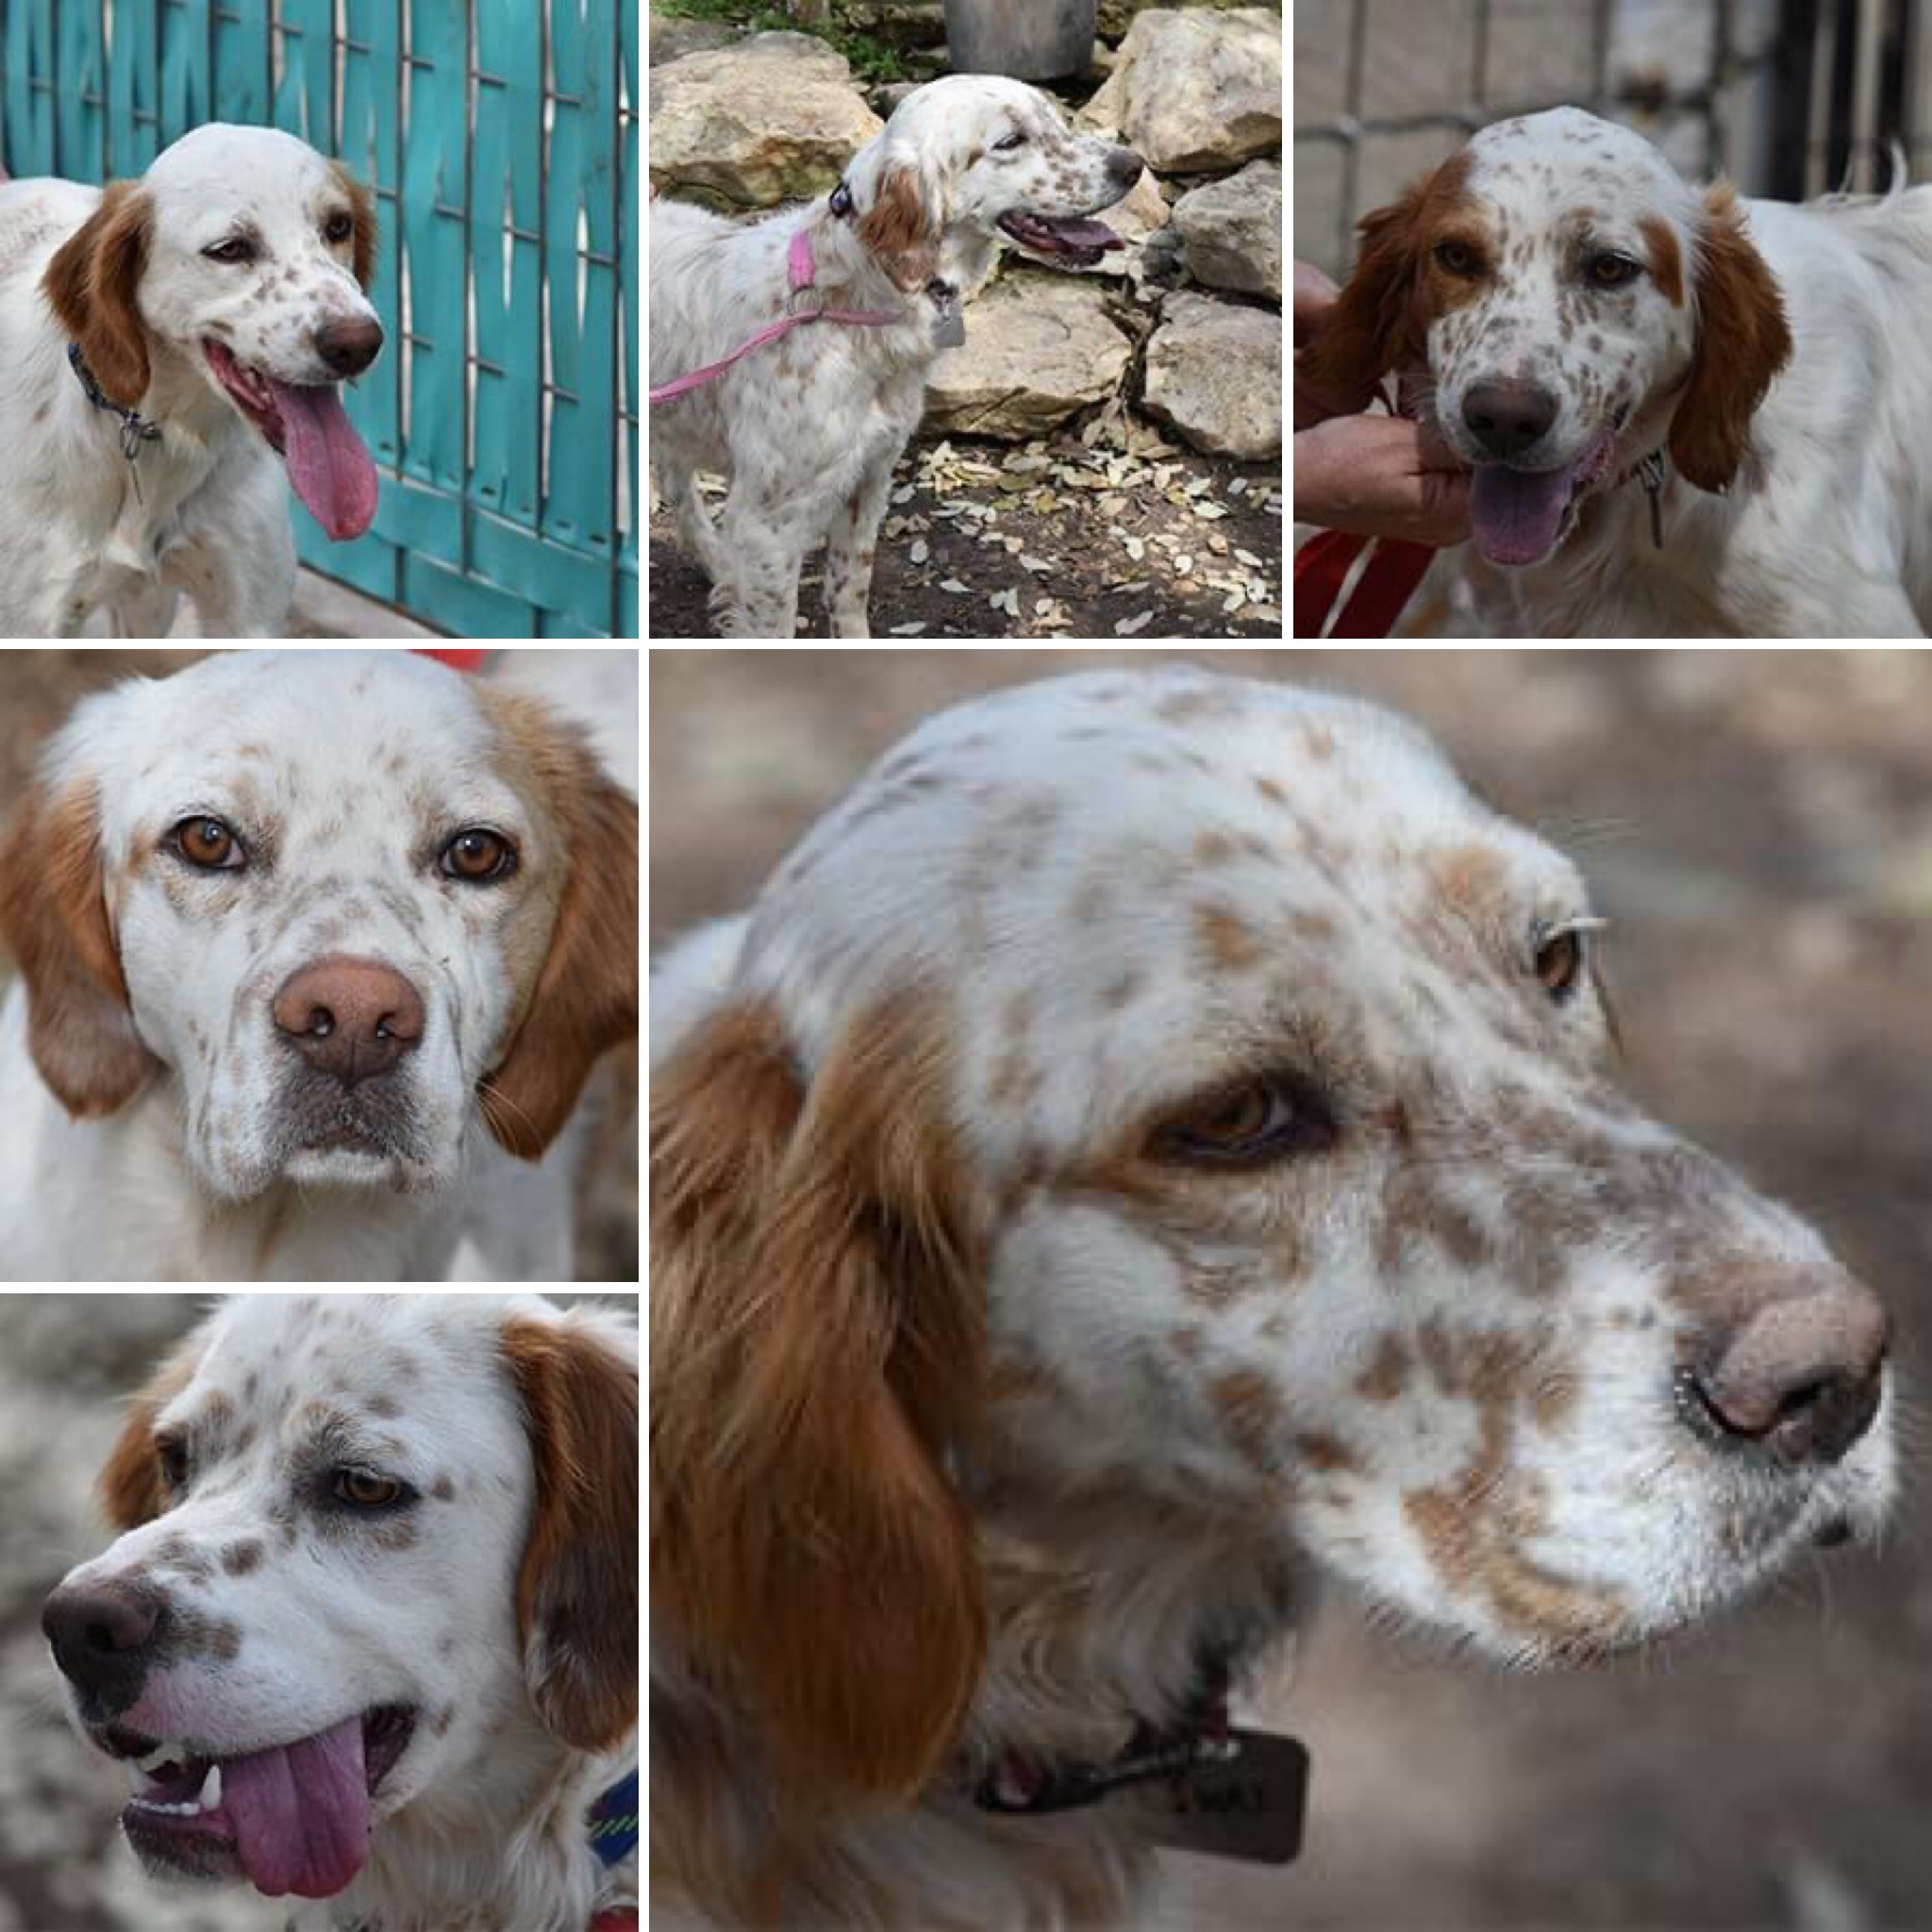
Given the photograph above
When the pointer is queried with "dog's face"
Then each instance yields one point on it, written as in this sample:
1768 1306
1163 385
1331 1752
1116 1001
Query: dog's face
344 996
1269 1068
969 154
340 1590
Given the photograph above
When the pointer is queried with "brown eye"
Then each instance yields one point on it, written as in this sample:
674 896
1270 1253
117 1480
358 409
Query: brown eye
1249 1125
173 1458
209 844
478 856
1614 271
365 1490
1459 257
1559 963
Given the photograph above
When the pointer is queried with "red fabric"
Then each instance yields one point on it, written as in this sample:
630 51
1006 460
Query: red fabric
1322 566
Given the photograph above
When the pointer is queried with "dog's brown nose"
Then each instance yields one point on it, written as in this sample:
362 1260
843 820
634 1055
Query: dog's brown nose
1801 1375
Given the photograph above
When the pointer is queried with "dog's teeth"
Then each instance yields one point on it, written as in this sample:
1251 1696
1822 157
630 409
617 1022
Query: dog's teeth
167 1752
209 1796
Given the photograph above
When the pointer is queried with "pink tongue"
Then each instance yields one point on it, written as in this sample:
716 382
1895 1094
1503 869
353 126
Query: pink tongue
1085 234
1515 513
327 463
301 1812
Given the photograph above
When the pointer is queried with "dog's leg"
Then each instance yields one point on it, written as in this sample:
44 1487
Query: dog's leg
851 544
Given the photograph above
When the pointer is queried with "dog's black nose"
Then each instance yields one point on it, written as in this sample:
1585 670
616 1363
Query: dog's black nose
102 1637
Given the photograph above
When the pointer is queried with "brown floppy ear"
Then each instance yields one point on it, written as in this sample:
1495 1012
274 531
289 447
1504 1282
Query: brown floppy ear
54 918
130 1488
816 1345
577 1590
1380 321
362 210
1742 342
584 999
898 232
92 285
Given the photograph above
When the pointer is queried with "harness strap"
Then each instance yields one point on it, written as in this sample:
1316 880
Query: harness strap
801 274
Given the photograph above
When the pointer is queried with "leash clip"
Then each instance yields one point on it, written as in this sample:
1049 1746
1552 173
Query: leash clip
1650 473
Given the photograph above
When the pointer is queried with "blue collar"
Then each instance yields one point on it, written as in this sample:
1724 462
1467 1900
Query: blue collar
614 1820
135 429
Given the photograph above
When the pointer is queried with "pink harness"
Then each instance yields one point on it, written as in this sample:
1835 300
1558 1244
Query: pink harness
801 271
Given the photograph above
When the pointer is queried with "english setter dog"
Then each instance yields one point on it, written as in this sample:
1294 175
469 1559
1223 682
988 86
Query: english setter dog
1153 1143
808 426
169 351
318 951
1687 414
369 1632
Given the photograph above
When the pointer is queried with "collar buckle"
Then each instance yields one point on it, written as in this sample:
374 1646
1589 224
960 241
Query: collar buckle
136 428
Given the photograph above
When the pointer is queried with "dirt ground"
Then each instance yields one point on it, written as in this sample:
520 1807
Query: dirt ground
986 540
1759 826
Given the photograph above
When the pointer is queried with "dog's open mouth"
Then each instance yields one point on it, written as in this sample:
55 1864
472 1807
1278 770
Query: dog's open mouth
330 465
1519 516
294 1818
1077 239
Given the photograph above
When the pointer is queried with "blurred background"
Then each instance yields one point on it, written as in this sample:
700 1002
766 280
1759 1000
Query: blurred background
1757 826
1792 98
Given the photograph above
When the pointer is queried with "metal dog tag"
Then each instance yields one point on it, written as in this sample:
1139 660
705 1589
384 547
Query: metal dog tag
949 319
1246 1802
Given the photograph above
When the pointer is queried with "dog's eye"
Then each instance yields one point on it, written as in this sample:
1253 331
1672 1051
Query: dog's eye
1562 959
173 1458
1614 271
1260 1121
207 845
365 1489
478 856
1011 141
